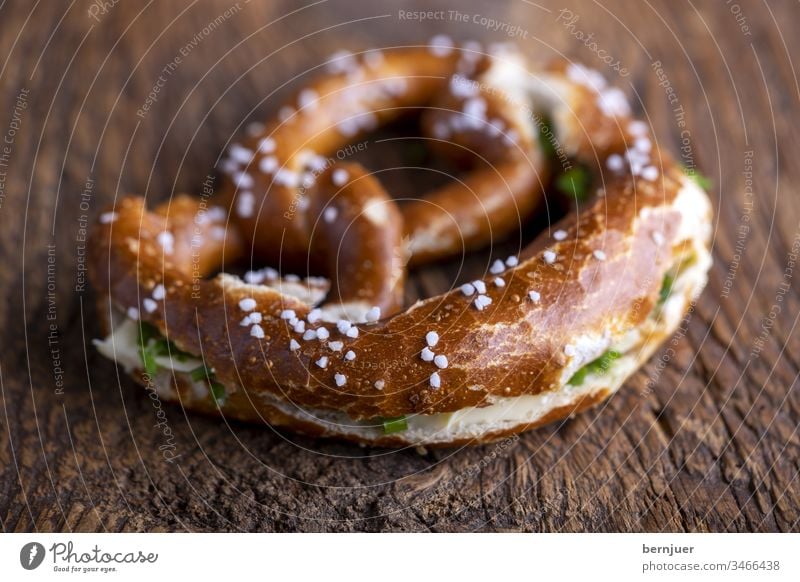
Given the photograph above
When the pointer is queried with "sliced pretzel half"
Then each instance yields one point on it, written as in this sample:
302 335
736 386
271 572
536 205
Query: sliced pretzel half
546 334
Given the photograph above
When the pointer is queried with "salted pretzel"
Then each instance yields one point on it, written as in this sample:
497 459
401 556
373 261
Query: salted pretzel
541 336
321 212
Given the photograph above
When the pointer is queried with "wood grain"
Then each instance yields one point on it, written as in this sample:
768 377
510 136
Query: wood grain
703 438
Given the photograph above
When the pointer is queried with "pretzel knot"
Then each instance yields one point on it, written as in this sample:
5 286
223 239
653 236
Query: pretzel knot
543 335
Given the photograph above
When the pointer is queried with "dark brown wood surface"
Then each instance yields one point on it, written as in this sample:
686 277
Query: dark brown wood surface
703 438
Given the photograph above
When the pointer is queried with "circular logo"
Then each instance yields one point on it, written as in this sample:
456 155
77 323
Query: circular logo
31 555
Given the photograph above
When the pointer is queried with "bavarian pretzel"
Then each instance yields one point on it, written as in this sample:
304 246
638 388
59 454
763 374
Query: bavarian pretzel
543 335
289 159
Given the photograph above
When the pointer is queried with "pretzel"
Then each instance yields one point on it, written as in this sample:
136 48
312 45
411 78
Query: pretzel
310 196
542 336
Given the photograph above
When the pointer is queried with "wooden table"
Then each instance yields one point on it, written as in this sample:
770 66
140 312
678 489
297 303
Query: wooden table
703 438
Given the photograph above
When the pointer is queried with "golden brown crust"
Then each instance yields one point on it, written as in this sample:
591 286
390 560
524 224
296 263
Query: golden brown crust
356 211
601 278
481 346
275 208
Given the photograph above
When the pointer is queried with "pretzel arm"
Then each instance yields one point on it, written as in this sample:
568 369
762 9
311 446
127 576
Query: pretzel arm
355 208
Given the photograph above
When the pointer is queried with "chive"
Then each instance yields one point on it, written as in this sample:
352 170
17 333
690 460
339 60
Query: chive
666 288
151 351
148 361
152 345
218 391
147 335
200 373
599 366
545 136
575 182
217 388
162 347
396 424
703 181
147 332
578 377
603 363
